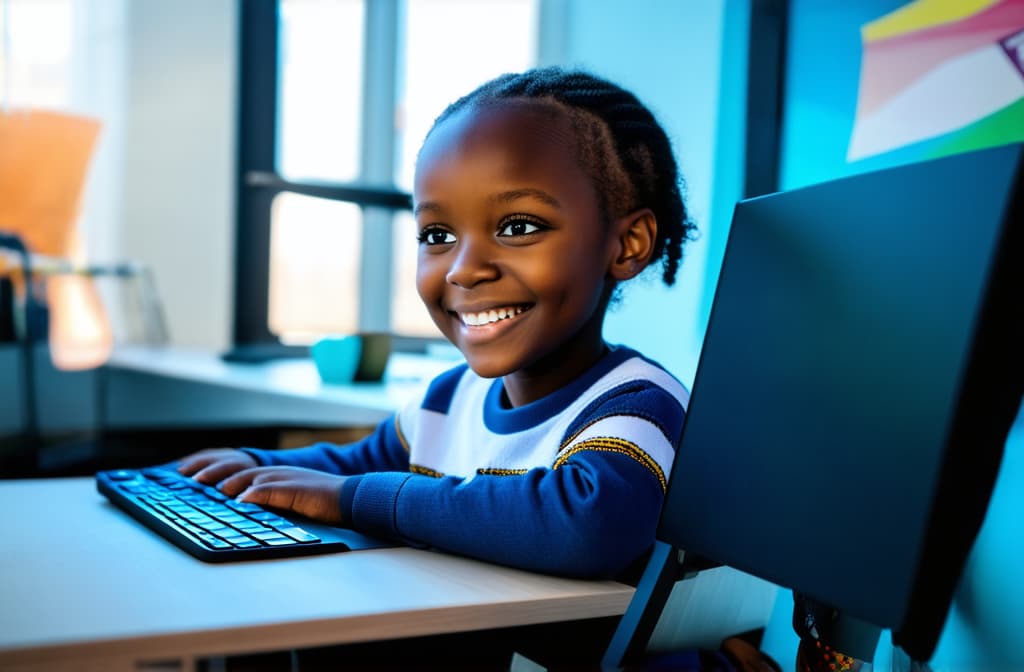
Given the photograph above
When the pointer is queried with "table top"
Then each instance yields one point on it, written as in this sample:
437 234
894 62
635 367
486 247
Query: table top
405 373
146 387
79 579
165 386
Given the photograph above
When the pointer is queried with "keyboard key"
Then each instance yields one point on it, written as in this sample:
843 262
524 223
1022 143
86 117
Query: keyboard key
244 507
212 541
298 534
197 518
245 542
157 473
215 494
267 517
218 528
250 526
229 517
268 535
193 497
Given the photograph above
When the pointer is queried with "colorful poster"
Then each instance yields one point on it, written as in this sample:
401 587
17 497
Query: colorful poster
951 71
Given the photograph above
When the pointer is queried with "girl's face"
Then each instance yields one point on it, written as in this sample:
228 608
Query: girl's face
514 248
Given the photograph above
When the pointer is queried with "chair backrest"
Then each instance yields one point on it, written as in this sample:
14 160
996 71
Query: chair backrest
43 168
862 366
42 174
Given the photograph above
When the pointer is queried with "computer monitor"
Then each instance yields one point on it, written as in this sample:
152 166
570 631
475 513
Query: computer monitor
860 372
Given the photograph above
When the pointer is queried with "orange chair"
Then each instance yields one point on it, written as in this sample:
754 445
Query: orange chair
44 157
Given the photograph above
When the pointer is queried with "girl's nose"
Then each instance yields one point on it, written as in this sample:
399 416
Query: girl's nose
472 264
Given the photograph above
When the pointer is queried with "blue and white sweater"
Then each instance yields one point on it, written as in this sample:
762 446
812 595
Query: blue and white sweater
570 484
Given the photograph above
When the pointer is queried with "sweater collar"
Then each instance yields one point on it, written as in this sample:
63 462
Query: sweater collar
502 420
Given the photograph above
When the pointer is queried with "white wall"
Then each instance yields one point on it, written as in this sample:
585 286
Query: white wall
179 146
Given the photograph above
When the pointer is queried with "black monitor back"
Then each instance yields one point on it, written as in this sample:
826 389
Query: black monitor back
861 369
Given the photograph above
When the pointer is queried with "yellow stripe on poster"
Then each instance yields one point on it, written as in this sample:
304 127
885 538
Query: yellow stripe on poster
921 15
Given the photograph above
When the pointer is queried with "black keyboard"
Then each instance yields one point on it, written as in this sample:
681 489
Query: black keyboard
214 527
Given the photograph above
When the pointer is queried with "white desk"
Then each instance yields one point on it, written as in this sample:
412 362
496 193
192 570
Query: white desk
85 587
155 386
169 387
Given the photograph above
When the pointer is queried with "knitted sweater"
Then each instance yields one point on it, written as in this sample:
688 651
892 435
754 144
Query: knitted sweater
570 484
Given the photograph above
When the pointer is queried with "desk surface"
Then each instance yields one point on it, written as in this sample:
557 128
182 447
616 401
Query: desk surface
168 387
296 376
159 386
81 581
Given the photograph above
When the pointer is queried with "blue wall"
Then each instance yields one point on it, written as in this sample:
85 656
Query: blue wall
671 55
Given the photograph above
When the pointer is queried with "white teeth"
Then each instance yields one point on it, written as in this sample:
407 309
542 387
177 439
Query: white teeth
489 316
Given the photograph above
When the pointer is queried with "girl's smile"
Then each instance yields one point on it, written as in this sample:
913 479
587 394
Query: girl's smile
484 317
480 326
488 317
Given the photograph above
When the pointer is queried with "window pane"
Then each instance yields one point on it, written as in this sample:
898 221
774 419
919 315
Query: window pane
35 58
409 316
470 42
451 47
314 267
320 84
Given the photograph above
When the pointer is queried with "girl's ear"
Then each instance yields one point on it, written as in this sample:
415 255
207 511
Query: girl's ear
635 234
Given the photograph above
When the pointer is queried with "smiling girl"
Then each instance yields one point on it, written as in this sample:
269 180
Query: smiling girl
535 196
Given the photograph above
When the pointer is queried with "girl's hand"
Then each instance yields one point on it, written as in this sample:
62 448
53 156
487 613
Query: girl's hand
312 493
213 465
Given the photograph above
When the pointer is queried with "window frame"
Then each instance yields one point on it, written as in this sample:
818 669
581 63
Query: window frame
257 182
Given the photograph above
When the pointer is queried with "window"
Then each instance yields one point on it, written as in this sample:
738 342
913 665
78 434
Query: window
35 59
336 98
311 283
321 66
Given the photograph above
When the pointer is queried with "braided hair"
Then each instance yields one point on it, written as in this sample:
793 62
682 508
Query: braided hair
619 144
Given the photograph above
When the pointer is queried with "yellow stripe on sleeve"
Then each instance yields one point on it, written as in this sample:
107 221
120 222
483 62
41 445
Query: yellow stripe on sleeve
615 445
425 471
401 436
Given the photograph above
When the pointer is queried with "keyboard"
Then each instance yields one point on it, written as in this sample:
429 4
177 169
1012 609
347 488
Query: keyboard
213 527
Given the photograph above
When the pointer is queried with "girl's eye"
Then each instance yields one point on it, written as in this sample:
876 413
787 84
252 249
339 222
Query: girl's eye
436 236
519 226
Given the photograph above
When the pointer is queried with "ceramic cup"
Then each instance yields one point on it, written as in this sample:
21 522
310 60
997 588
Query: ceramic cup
356 357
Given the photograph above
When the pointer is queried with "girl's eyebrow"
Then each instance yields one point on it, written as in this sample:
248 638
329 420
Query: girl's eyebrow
426 205
502 197
516 194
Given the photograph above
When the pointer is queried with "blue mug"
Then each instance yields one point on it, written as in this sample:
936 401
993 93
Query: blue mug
356 357
337 358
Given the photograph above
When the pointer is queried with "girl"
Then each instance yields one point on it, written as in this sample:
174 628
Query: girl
535 196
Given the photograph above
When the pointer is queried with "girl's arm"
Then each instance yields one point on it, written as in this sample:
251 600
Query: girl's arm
590 517
382 450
